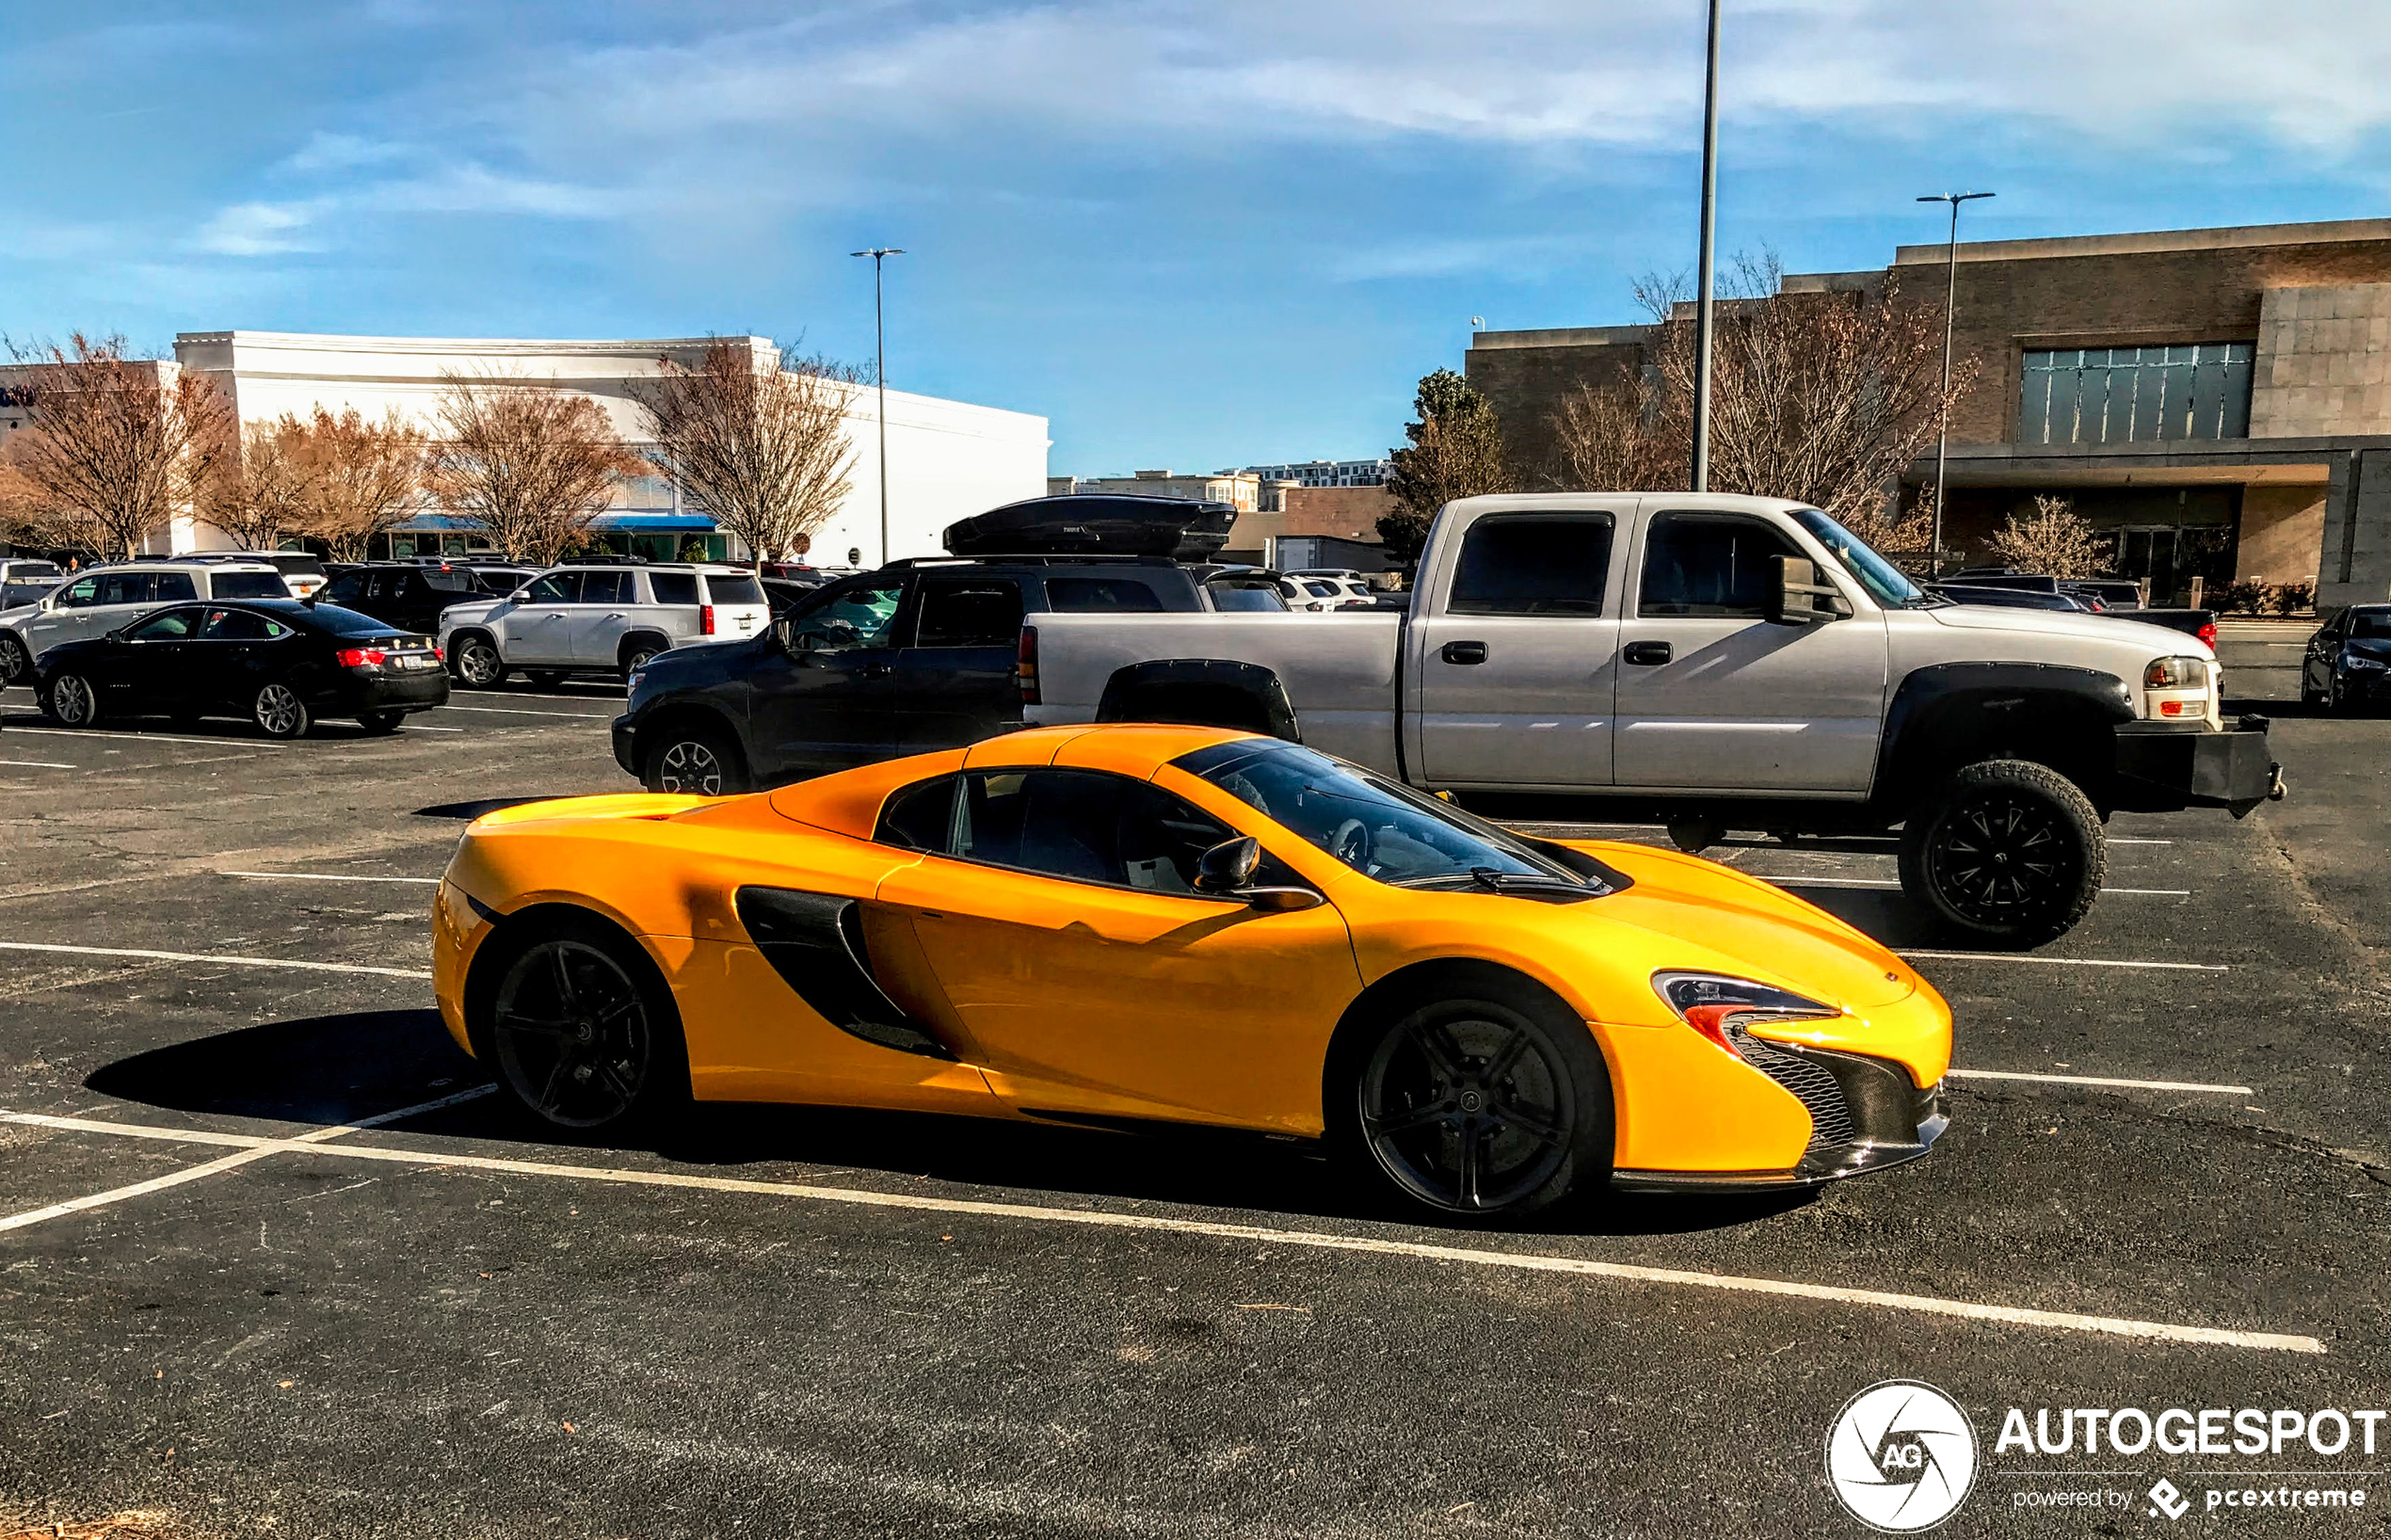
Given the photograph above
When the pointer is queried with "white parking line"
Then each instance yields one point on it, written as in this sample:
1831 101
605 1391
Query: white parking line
324 876
103 735
516 711
225 1163
2130 840
38 764
1882 882
421 727
141 956
2064 962
1250 1234
2096 1080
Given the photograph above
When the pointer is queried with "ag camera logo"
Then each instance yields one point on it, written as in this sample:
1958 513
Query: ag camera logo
1901 1456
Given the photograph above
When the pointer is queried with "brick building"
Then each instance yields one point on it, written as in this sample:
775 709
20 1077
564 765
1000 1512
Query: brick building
2218 402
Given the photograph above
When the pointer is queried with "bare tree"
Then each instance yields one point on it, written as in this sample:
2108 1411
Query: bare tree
265 490
531 465
2052 539
363 478
1455 452
115 446
759 445
1820 396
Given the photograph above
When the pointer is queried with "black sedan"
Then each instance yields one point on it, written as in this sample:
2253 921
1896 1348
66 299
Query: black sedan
2348 663
277 661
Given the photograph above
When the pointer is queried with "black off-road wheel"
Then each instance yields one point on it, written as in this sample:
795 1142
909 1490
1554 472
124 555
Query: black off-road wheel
2007 854
696 761
579 1028
1483 1100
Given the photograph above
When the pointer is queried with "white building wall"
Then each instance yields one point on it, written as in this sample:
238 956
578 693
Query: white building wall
947 459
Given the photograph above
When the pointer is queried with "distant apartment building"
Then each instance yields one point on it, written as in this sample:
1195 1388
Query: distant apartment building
1241 490
1326 473
2216 402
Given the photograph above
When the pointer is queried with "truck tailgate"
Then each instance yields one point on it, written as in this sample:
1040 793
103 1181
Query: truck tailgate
1337 671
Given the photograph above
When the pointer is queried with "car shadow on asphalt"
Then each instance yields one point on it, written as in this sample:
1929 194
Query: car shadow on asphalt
334 1070
470 811
1889 916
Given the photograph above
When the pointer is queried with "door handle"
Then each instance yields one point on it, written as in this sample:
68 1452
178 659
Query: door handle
875 670
614 615
1647 654
1463 652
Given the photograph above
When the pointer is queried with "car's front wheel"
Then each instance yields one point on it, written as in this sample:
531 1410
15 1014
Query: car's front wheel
72 703
582 1031
696 762
1483 1100
15 661
479 667
2008 854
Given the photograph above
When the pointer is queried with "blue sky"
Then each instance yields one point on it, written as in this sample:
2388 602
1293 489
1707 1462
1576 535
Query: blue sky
1191 233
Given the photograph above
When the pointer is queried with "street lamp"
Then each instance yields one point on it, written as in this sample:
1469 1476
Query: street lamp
1702 310
1943 438
880 373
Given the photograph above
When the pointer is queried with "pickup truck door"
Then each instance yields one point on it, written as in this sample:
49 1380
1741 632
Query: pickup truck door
1514 661
825 699
954 681
1713 697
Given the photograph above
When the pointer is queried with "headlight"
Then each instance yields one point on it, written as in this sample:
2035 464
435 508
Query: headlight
1720 1006
2176 674
2359 660
2179 689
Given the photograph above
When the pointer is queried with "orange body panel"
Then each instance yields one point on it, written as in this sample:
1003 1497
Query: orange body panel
1084 999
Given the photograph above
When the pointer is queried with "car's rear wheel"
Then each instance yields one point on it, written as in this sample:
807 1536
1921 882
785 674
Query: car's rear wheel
582 1031
637 655
279 712
15 662
696 762
72 701
2008 854
478 663
378 723
1488 1102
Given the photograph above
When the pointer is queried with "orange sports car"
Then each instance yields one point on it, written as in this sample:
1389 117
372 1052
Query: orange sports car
1136 926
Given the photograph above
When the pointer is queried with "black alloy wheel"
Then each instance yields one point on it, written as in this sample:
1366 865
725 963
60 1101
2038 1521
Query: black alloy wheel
279 712
1482 1108
2010 853
380 722
478 665
574 1036
15 662
72 701
694 763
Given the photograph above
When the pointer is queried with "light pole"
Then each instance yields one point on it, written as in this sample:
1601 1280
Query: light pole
1943 437
1702 307
880 373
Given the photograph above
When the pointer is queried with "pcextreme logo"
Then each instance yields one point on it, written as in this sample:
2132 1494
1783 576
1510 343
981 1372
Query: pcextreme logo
1901 1456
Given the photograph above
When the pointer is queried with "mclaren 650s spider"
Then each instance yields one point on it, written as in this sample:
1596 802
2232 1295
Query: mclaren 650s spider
1139 926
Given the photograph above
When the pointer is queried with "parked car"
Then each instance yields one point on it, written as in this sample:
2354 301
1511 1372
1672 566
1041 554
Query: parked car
786 594
1728 661
102 599
920 654
598 617
411 595
2348 663
2014 598
302 570
1356 594
1183 927
282 664
1244 589
15 571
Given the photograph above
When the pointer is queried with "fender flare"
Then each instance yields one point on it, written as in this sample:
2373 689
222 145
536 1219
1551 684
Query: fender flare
1948 715
1186 685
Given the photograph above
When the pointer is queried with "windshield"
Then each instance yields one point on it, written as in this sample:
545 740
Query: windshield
1378 829
1880 578
2370 626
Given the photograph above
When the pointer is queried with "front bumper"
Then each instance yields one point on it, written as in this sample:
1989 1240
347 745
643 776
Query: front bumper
2162 768
1865 1115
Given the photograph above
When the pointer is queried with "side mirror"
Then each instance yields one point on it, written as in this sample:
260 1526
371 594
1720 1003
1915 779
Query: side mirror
1797 598
518 595
1229 866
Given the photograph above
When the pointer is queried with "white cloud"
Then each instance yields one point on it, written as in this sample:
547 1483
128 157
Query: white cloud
257 229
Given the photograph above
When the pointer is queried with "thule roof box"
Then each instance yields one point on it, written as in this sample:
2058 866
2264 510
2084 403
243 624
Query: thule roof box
1095 525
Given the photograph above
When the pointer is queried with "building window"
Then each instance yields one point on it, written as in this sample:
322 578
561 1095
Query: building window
2137 394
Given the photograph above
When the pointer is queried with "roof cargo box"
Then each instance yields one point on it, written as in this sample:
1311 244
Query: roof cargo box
1095 526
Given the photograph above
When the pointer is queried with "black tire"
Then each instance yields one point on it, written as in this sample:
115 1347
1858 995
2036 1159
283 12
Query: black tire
578 1027
2008 853
279 712
16 663
1480 1099
478 665
381 723
697 760
72 701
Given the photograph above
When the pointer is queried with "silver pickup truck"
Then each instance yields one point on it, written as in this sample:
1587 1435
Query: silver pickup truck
1713 662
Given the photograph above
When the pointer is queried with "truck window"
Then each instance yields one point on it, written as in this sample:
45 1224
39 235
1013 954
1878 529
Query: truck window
1080 595
1711 565
1537 565
969 612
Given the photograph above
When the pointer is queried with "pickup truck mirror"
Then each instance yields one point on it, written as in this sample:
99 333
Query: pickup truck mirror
1797 598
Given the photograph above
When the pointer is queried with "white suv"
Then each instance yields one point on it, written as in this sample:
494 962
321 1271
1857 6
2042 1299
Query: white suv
97 601
589 619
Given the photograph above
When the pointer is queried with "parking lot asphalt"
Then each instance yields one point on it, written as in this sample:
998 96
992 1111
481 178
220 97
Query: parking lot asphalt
2166 1185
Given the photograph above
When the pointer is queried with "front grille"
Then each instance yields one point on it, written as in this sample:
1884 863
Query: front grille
1811 1085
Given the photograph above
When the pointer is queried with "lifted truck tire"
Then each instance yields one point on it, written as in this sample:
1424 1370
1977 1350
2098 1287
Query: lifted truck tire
2007 853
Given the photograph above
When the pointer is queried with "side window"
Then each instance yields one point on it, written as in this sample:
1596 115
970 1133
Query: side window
969 612
919 817
78 595
557 588
674 587
1708 565
448 583
240 585
850 615
1079 595
348 588
605 587
1536 564
125 588
171 626
1087 827
174 585
234 626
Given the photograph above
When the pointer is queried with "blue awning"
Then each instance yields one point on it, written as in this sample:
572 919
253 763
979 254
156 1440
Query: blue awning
434 524
659 522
